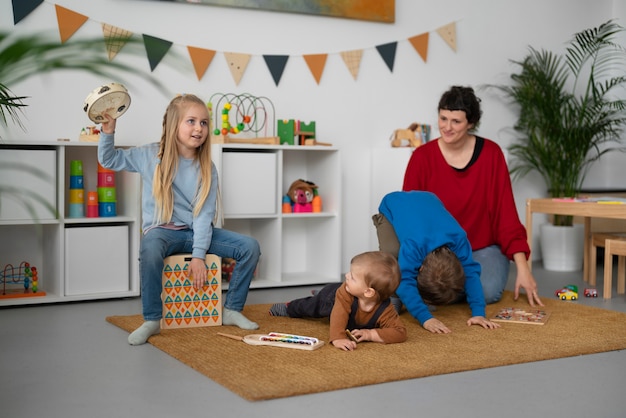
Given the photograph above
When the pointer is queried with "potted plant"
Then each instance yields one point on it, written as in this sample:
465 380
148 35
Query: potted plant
570 112
25 56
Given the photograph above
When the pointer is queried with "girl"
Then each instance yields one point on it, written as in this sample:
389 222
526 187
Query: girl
179 194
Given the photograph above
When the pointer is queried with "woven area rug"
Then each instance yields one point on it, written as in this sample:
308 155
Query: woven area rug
263 372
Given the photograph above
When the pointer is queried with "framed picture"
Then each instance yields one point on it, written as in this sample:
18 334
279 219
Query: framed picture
372 10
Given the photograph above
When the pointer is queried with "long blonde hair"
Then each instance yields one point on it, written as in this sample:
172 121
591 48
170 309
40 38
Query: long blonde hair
165 171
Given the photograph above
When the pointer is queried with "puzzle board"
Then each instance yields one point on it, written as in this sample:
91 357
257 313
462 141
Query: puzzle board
184 306
521 316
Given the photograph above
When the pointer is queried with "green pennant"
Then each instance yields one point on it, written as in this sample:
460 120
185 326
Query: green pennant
156 49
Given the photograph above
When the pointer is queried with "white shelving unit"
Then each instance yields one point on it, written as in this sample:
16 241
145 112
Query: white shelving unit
297 248
76 258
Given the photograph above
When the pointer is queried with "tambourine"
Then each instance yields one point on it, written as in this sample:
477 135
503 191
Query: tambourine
112 98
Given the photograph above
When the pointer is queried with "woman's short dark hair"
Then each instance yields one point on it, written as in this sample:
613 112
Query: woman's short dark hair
464 99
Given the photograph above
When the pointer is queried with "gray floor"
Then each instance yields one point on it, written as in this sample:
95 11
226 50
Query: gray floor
65 361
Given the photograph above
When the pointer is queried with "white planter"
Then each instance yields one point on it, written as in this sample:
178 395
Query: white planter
562 247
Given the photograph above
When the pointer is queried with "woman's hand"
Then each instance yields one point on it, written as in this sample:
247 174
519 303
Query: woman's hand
525 280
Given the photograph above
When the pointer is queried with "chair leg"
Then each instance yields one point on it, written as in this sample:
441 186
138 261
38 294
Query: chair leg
608 271
593 259
621 274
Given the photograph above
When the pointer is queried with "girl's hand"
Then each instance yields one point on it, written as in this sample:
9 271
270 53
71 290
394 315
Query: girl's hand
345 344
197 272
436 326
108 127
483 322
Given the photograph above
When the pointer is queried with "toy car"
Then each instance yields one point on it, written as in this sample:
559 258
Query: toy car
569 287
591 293
568 295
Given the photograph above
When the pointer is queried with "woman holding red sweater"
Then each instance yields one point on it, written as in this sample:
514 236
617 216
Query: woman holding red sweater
470 176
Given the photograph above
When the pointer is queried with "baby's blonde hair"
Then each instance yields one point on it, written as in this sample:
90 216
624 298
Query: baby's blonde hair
165 171
382 272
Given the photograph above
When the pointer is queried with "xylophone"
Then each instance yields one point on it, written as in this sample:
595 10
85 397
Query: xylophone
277 339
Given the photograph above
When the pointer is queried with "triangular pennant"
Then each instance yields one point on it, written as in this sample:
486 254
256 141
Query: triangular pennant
237 64
156 49
22 8
114 38
448 33
69 22
388 53
420 43
316 63
201 59
276 65
352 59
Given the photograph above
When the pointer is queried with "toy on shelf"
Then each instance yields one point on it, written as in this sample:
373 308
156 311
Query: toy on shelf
303 197
241 118
414 136
289 129
22 281
89 134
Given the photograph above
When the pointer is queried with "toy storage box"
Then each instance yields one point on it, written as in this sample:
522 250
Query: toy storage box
183 305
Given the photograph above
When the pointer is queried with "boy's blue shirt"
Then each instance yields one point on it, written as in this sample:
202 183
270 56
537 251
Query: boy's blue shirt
143 160
422 224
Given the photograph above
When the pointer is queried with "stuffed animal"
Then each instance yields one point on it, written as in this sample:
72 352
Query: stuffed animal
301 194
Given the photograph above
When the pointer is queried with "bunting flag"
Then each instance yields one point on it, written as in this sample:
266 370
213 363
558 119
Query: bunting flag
156 49
448 33
316 63
388 53
201 59
420 43
352 59
276 65
114 39
237 64
22 8
69 22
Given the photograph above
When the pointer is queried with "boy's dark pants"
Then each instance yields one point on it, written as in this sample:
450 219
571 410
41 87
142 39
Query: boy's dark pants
317 306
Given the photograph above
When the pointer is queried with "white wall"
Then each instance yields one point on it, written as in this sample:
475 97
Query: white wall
357 116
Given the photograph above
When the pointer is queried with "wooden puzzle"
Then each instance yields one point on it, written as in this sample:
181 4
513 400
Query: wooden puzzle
183 305
521 316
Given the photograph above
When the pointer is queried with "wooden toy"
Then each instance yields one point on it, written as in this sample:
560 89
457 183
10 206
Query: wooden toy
183 305
19 282
112 99
277 339
521 316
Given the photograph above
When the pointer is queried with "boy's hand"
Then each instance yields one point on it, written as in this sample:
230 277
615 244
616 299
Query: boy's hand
345 344
436 326
483 322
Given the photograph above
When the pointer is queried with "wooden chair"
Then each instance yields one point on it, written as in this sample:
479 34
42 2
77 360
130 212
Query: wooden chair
597 240
614 247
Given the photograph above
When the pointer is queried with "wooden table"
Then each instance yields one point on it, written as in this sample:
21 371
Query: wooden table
587 210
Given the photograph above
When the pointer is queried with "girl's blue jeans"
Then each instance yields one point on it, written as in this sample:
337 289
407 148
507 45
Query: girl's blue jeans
494 271
159 243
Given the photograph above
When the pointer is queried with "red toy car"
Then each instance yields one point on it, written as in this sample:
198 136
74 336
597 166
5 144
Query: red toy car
591 293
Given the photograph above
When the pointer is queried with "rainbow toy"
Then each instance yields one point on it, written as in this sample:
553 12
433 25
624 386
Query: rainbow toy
277 339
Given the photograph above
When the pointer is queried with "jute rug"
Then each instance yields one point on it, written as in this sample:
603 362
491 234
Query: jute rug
262 372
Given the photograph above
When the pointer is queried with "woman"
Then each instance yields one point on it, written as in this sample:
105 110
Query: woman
470 176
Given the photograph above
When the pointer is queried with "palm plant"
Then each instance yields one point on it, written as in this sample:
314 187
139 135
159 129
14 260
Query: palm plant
569 110
25 56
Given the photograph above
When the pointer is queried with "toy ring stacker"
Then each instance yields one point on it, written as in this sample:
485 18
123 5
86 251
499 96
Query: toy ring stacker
111 98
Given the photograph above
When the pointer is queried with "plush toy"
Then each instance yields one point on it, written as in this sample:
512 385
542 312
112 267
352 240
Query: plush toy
301 194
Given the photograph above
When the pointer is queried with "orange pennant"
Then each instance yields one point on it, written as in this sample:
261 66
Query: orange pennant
352 59
420 43
201 59
448 33
69 22
237 64
316 63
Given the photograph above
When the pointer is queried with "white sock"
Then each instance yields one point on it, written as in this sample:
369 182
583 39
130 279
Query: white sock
230 317
145 331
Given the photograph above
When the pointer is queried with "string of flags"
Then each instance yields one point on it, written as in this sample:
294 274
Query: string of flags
70 21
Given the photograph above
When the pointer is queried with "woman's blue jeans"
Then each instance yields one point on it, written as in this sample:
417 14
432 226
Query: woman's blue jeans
159 243
494 271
